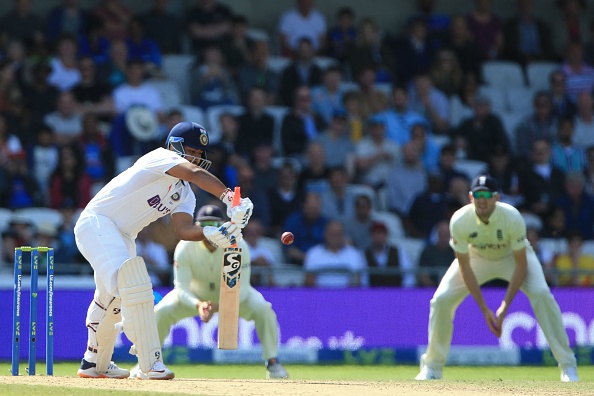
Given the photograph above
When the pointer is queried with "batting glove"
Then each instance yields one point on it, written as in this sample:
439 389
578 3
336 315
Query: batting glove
241 213
224 236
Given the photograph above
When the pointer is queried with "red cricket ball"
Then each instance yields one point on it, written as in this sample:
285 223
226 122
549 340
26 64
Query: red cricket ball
287 238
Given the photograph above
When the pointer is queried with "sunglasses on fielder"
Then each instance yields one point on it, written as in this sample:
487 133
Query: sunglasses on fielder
211 223
483 194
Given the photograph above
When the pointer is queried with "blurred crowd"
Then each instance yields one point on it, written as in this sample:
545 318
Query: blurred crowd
361 139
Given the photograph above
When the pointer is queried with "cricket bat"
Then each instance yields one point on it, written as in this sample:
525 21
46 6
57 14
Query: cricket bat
229 292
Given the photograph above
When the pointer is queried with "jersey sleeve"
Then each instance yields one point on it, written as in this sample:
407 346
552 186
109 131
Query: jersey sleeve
182 274
517 231
160 161
188 203
458 241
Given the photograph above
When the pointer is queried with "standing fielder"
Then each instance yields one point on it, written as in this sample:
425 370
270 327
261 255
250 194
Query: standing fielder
197 278
489 239
155 186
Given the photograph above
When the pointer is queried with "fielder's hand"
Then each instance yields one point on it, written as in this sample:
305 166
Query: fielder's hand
205 310
493 323
224 236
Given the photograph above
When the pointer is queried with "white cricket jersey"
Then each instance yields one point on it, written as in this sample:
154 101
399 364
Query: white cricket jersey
505 232
197 272
144 192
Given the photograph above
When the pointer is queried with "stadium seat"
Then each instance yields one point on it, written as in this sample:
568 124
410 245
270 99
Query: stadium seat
588 247
212 115
177 68
470 168
510 123
382 199
38 216
503 74
258 34
519 100
193 114
325 62
393 222
539 73
496 95
440 140
169 91
5 215
279 113
278 63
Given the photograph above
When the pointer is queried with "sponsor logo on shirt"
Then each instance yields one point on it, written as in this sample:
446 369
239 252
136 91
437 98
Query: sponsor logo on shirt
155 202
492 246
499 235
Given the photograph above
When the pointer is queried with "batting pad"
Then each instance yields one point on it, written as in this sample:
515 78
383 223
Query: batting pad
138 317
106 334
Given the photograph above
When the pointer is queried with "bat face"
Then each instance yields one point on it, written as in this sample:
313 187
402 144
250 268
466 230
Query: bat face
231 266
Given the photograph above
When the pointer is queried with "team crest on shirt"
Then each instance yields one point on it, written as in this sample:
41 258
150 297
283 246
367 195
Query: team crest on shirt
175 196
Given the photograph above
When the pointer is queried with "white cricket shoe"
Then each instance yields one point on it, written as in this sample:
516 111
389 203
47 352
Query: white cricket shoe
569 374
428 373
158 371
89 370
276 370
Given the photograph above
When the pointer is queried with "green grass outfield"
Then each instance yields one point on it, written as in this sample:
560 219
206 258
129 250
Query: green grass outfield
508 377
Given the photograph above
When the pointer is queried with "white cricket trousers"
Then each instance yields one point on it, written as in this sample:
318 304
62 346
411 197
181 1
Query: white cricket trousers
105 248
171 310
452 290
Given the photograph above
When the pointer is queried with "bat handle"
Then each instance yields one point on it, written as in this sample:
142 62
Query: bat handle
236 196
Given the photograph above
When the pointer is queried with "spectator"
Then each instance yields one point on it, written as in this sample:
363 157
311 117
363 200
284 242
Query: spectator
20 23
584 121
327 98
342 36
589 46
352 105
445 166
372 51
261 256
406 181
428 147
22 190
69 18
458 190
162 27
66 121
20 232
579 76
428 208
144 48
358 224
308 225
155 257
265 174
554 225
433 104
545 255
99 159
16 54
337 143
326 263
338 202
229 132
70 181
315 169
68 250
542 182
371 99
11 95
115 17
94 43
437 24
577 205
572 27
436 257
576 267
303 21
92 95
486 29
284 200
460 40
256 127
541 124
566 155
390 265
503 169
113 71
65 74
237 46
212 83
400 119
462 103
302 72
526 37
39 97
10 144
477 134
446 72
245 179
416 48
136 92
257 73
300 125
589 170
207 23
563 106
44 159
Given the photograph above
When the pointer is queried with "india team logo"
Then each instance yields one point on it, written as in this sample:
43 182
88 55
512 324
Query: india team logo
231 267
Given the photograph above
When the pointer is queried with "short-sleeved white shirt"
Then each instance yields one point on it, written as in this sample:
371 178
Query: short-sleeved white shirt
293 25
505 233
144 192
126 96
348 258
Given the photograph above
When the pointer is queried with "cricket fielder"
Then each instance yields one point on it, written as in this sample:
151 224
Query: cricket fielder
489 239
197 276
156 185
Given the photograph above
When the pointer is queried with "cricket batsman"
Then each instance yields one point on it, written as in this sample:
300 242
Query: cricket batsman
489 239
197 276
157 185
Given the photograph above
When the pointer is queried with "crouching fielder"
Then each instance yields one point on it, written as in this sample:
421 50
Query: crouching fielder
197 277
489 239
155 186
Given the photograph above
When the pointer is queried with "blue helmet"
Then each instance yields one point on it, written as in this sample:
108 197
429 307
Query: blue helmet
191 135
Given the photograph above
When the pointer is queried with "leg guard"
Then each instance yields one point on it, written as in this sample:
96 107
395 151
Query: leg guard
104 332
138 317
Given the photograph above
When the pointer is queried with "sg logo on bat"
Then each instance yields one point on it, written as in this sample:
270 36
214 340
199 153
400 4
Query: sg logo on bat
231 266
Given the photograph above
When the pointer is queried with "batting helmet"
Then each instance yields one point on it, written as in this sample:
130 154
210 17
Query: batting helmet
189 134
